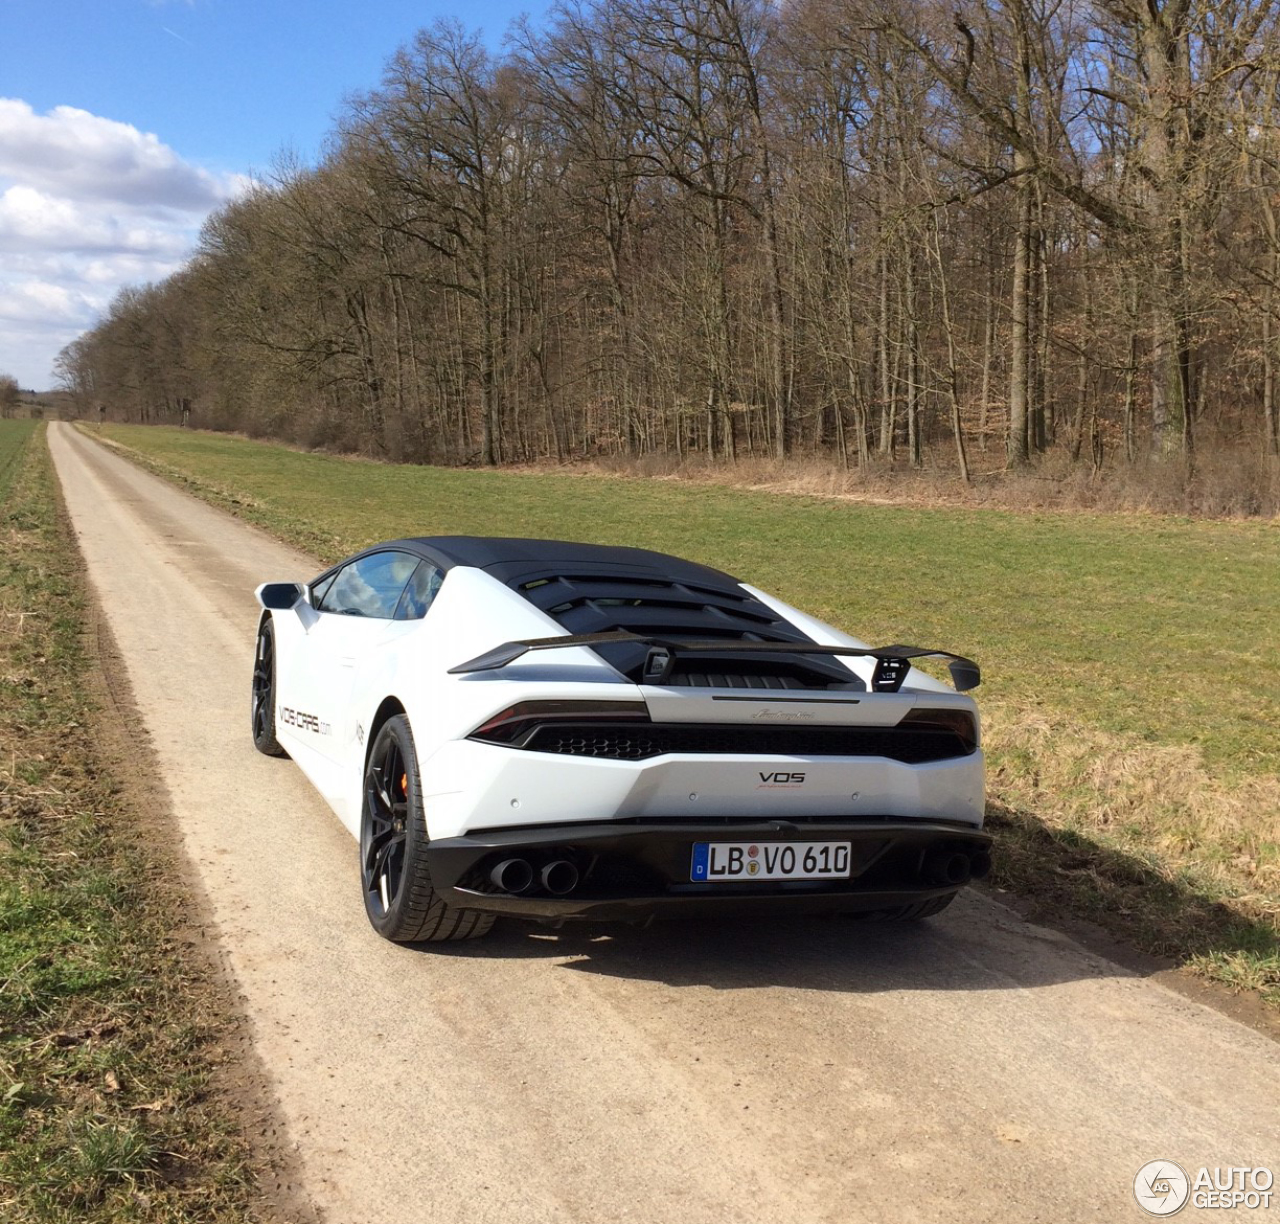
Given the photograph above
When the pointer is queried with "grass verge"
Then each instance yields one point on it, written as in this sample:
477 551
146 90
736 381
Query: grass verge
110 1028
1132 685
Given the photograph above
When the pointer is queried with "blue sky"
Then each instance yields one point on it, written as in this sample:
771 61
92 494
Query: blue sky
123 122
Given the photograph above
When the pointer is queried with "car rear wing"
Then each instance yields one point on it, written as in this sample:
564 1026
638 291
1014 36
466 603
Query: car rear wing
892 662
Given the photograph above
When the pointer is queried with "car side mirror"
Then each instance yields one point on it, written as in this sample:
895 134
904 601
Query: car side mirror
280 596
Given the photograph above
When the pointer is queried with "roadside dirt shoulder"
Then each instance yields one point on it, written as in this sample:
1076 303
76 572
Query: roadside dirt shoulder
240 1081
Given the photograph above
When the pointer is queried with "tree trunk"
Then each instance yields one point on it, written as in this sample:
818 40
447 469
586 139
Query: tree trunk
915 450
1270 409
490 422
1272 441
1041 426
988 345
888 425
1020 340
1020 307
782 425
953 376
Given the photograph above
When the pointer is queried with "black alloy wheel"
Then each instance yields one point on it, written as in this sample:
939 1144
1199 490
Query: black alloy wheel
399 898
262 708
384 829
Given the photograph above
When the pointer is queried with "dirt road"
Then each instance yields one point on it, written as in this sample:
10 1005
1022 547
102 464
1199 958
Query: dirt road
973 1068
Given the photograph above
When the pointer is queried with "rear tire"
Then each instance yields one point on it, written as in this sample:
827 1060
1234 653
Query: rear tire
262 708
399 898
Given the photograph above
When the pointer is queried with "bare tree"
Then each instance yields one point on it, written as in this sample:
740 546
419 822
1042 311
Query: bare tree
10 395
872 229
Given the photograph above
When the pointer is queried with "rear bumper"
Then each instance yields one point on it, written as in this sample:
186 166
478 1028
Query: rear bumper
633 871
471 786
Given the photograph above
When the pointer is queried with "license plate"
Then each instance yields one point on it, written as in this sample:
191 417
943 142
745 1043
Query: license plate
724 862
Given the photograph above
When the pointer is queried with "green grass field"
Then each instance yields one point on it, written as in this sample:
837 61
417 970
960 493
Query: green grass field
108 1026
1132 664
14 437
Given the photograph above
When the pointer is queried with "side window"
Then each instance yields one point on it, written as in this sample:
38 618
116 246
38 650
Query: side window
369 587
420 592
321 589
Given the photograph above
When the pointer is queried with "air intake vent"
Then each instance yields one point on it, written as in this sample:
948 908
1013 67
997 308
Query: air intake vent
598 603
604 602
637 742
757 679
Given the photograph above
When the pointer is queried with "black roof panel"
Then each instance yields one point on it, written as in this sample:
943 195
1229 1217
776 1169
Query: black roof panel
515 555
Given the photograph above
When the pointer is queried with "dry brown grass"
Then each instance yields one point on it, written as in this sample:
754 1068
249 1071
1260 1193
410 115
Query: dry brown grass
1143 839
1157 799
1224 483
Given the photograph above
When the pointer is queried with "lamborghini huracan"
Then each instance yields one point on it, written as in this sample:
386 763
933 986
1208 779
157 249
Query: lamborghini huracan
559 731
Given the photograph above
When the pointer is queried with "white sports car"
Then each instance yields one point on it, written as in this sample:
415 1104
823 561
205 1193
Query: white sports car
555 731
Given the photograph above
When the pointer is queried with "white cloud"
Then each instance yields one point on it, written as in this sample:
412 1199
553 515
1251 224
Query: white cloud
74 153
87 205
28 300
113 271
31 220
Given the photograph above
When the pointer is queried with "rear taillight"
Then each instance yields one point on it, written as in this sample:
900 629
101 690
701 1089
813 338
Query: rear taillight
516 723
960 723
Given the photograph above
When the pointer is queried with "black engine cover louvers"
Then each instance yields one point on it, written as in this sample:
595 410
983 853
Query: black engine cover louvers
587 603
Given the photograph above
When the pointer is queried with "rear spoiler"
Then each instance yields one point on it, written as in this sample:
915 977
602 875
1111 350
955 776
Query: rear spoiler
892 662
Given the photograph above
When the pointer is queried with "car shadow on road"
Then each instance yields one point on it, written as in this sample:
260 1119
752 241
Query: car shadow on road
1107 914
976 945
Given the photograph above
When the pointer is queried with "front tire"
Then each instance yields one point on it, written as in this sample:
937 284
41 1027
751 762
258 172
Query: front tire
399 898
262 710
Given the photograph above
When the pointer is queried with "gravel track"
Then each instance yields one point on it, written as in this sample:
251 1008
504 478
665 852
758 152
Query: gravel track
974 1068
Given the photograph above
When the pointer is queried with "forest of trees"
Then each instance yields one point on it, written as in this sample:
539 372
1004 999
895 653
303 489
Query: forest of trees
10 395
892 232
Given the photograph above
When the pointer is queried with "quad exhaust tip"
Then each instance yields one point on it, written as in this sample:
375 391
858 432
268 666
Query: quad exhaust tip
559 877
516 875
947 867
955 867
513 875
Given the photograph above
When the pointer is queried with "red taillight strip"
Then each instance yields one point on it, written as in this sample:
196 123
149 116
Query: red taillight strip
960 723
